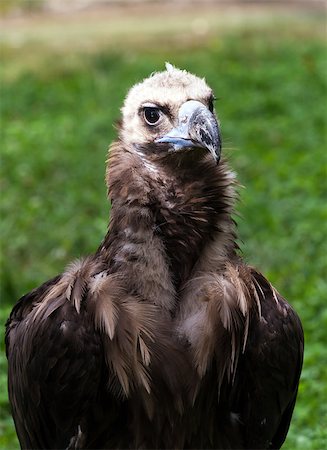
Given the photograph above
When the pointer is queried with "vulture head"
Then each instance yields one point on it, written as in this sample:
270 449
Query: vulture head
171 113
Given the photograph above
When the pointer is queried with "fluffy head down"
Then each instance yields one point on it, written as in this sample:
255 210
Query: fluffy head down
168 89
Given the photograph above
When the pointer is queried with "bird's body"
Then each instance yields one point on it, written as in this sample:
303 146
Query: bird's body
163 338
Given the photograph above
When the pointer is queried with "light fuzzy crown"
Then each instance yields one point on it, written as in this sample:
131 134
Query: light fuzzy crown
171 87
172 84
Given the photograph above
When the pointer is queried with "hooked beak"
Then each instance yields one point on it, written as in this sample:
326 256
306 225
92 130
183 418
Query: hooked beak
197 128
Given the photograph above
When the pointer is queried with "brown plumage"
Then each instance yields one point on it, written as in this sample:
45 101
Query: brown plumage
164 338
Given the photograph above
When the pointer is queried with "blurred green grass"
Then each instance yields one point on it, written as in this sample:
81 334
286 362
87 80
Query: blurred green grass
56 123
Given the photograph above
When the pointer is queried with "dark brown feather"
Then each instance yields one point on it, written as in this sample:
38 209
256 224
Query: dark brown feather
163 338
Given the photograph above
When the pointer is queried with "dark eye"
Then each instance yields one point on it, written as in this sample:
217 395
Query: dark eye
210 104
151 115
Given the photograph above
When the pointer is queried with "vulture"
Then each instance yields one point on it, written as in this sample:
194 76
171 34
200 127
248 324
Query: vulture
164 338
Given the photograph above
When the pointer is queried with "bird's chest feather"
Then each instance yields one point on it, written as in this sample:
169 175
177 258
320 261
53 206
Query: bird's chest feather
185 219
178 408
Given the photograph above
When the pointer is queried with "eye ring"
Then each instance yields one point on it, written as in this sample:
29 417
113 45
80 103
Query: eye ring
151 115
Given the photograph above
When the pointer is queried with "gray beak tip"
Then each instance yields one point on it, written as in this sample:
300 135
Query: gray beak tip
197 128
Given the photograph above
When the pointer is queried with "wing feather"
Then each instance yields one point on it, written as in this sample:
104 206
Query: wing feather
270 369
54 357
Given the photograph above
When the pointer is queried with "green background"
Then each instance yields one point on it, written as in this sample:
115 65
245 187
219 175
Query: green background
61 90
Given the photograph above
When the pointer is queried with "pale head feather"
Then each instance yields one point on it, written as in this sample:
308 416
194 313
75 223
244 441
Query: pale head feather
171 87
